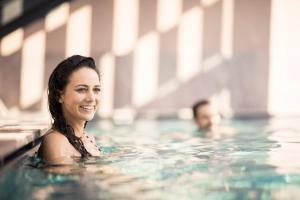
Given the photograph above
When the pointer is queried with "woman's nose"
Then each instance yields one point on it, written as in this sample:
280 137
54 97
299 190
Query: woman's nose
90 96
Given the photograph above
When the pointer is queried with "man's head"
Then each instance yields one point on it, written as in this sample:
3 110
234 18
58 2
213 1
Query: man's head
206 115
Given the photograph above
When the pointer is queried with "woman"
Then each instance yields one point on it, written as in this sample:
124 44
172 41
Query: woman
73 97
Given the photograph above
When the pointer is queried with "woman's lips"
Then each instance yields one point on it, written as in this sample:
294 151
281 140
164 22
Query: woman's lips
89 108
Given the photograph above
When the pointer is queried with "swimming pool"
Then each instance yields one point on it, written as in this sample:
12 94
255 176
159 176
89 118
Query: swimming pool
167 159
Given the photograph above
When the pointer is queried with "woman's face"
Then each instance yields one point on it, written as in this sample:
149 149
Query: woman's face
80 98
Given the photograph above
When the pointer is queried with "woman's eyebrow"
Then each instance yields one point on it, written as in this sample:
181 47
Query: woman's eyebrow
81 85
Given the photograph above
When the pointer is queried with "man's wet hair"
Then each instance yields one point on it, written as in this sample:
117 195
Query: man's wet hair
199 104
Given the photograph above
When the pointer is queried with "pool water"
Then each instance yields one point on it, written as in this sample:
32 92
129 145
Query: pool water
168 159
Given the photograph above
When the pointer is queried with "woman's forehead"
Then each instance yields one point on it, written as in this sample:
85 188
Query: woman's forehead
84 75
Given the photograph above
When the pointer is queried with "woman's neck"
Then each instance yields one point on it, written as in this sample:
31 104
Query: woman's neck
78 128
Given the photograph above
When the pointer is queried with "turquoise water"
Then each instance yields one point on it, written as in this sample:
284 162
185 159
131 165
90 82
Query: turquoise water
167 159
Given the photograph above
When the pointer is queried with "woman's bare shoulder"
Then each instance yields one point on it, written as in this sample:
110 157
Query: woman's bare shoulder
55 136
53 146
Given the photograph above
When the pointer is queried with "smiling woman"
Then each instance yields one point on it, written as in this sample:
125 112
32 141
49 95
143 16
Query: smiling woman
73 95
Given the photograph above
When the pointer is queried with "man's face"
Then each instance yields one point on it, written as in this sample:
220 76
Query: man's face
207 118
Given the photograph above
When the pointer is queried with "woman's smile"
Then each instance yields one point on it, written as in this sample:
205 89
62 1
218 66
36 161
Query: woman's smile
87 108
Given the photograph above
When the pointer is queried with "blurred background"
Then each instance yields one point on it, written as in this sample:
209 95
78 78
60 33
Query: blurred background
156 57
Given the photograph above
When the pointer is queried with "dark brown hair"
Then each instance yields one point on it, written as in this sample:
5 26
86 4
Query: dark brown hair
57 83
197 105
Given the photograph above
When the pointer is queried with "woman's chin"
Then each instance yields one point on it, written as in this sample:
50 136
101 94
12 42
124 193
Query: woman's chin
88 117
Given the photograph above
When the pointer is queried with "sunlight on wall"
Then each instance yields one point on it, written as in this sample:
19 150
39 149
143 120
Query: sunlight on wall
284 82
189 44
208 3
215 103
168 14
12 42
125 26
168 88
79 32
107 71
123 116
44 105
185 113
145 69
225 107
32 71
57 17
221 103
212 62
227 28
3 109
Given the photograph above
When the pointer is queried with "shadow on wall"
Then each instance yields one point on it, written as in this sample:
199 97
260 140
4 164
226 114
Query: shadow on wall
158 60
245 74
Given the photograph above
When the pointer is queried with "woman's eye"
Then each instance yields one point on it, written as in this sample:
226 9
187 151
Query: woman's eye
81 90
97 90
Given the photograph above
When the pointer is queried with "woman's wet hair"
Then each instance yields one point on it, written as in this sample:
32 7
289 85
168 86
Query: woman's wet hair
57 82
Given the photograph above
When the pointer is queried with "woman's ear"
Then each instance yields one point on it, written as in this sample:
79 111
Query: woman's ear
61 98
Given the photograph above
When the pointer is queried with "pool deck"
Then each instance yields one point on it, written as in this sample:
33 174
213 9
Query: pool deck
15 137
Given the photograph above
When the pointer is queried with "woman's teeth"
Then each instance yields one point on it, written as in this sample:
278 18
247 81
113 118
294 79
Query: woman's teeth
87 108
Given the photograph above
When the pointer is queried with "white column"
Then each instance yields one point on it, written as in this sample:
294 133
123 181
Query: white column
145 69
284 82
12 42
32 69
168 14
57 17
107 79
189 50
79 32
125 26
227 28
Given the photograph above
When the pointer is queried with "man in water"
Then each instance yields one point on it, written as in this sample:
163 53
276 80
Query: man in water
206 117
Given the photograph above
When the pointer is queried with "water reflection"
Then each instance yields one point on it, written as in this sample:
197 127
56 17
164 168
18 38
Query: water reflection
285 157
166 160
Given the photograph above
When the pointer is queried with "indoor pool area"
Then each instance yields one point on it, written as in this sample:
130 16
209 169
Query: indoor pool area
168 159
149 100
